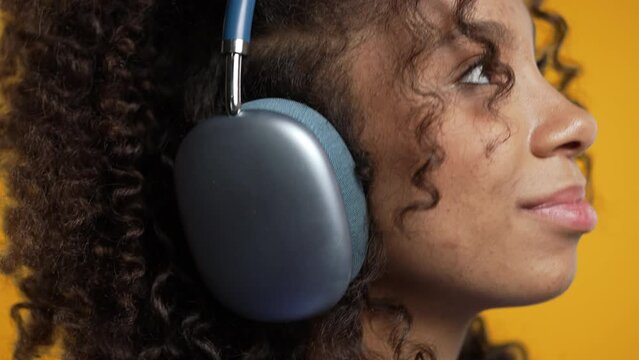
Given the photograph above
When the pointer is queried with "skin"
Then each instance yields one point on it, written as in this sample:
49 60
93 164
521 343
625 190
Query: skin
477 249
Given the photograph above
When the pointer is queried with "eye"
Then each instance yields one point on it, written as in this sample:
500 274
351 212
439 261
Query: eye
475 75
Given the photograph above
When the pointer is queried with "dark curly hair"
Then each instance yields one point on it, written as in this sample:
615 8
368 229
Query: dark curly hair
106 91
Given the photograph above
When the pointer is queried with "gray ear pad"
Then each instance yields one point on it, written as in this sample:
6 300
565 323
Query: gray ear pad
276 227
342 162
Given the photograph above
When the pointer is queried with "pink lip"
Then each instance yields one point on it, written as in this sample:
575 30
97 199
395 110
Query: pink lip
566 208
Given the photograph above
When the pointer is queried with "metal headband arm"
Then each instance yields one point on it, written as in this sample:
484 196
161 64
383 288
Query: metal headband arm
237 35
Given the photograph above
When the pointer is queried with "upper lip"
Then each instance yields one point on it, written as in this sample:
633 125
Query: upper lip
571 194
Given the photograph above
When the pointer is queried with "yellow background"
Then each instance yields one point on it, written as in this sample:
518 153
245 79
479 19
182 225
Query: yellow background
598 317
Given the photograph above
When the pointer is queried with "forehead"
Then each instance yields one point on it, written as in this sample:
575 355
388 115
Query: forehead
481 9
508 17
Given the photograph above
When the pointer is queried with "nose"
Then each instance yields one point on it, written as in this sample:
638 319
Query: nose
564 128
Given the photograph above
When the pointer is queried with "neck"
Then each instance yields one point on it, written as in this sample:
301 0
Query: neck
439 323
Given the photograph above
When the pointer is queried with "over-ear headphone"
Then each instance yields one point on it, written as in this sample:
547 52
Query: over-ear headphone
271 207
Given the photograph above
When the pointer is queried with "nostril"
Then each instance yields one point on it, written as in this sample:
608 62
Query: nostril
573 145
568 132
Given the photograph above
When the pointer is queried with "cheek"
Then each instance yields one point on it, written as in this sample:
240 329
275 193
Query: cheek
465 238
474 242
475 248
456 242
477 189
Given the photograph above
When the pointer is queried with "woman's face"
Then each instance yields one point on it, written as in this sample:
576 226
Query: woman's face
481 246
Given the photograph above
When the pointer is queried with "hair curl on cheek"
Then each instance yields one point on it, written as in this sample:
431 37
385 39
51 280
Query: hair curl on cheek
107 91
427 103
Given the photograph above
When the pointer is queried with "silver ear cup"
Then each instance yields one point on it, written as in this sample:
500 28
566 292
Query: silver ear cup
343 164
264 216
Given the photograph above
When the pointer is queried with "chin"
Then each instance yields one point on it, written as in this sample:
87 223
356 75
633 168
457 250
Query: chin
547 282
530 283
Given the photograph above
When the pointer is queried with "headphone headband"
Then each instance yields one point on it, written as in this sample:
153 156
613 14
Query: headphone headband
238 20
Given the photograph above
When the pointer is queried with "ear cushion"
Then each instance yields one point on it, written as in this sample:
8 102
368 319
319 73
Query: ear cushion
342 162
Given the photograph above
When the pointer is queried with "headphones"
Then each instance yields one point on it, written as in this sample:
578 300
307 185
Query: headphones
272 211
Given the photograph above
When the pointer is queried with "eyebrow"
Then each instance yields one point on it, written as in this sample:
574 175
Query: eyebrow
493 31
490 30
502 35
496 32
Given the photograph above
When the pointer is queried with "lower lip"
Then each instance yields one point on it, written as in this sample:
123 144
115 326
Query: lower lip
573 216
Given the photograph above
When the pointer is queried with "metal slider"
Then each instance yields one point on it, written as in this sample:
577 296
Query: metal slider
233 83
234 50
237 46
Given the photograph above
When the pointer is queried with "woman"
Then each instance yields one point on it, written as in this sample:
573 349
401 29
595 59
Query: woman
467 157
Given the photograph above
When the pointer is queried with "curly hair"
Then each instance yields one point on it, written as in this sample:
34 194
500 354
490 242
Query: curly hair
106 91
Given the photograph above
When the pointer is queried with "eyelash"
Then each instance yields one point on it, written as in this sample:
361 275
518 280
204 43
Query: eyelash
470 70
541 65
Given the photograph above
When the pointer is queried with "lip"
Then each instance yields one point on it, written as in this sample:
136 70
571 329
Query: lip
566 208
